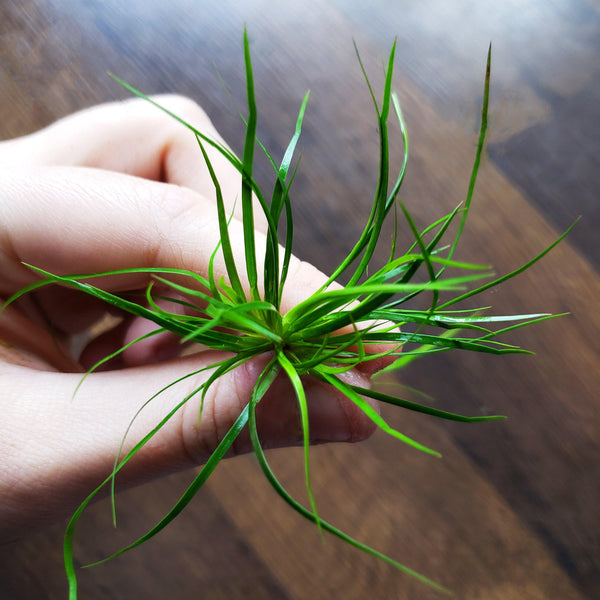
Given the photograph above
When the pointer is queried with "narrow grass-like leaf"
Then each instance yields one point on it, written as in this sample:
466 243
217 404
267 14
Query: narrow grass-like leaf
224 241
424 254
226 152
247 164
294 378
422 408
351 393
114 354
510 275
307 514
70 530
217 455
480 144
274 278
379 205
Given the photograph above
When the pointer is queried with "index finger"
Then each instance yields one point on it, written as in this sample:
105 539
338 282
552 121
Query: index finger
71 220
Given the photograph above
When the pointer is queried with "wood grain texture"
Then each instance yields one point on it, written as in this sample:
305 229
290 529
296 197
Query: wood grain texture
511 511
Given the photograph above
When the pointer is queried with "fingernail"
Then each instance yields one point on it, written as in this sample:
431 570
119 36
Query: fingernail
334 417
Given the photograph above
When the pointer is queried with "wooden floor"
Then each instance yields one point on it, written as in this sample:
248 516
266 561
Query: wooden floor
512 510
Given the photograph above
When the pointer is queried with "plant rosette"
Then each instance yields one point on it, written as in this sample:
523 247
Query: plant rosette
334 330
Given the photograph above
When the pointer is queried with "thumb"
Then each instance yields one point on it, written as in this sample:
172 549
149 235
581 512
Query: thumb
58 451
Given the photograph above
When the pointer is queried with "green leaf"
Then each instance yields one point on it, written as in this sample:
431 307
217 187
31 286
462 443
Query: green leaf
422 408
224 242
294 378
307 514
247 164
352 394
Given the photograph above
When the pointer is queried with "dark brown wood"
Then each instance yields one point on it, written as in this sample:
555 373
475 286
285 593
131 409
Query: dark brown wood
511 511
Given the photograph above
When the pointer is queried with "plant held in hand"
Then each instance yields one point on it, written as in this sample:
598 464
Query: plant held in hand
332 331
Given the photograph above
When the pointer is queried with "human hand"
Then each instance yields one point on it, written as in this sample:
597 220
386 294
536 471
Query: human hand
118 186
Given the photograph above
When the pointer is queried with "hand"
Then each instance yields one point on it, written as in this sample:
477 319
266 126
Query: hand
117 186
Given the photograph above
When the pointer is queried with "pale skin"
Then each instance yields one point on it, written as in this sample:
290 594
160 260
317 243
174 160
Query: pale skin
117 186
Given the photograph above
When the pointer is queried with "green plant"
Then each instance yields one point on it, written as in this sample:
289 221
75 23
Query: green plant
330 332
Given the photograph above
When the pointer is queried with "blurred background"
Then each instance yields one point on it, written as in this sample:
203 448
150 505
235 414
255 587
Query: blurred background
511 511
